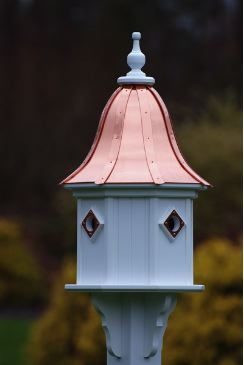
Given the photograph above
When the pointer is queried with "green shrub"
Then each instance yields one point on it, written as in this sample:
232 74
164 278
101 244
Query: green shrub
205 328
69 333
20 277
212 143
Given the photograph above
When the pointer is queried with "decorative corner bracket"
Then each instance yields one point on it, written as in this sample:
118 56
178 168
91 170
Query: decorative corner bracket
138 317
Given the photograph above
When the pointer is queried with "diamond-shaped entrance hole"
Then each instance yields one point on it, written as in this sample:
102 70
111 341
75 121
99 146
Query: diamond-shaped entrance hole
90 223
174 223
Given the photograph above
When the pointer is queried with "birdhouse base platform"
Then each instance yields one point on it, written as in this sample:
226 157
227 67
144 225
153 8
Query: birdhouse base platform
135 288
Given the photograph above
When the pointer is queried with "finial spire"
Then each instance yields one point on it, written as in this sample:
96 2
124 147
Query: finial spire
136 60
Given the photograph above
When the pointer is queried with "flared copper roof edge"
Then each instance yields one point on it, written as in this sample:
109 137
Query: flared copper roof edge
172 139
133 185
97 137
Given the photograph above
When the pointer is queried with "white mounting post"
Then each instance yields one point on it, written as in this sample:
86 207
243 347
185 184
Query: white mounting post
134 324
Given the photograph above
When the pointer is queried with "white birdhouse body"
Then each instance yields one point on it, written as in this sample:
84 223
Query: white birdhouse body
135 237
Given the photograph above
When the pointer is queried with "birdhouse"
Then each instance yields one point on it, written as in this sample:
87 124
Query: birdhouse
134 196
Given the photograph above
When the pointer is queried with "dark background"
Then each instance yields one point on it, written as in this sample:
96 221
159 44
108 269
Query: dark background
59 63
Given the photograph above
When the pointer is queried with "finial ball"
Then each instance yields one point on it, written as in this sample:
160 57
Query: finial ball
136 35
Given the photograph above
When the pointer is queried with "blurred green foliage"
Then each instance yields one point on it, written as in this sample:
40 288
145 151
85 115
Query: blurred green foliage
206 328
14 333
21 283
212 143
70 331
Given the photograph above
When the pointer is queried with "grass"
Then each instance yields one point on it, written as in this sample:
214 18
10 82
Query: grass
14 334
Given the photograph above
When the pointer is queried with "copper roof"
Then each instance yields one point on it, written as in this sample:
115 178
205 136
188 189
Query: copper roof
135 143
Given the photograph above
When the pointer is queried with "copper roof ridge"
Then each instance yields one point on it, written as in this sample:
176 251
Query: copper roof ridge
117 137
148 137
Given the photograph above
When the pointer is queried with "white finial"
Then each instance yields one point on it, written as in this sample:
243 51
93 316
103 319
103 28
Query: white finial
136 60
